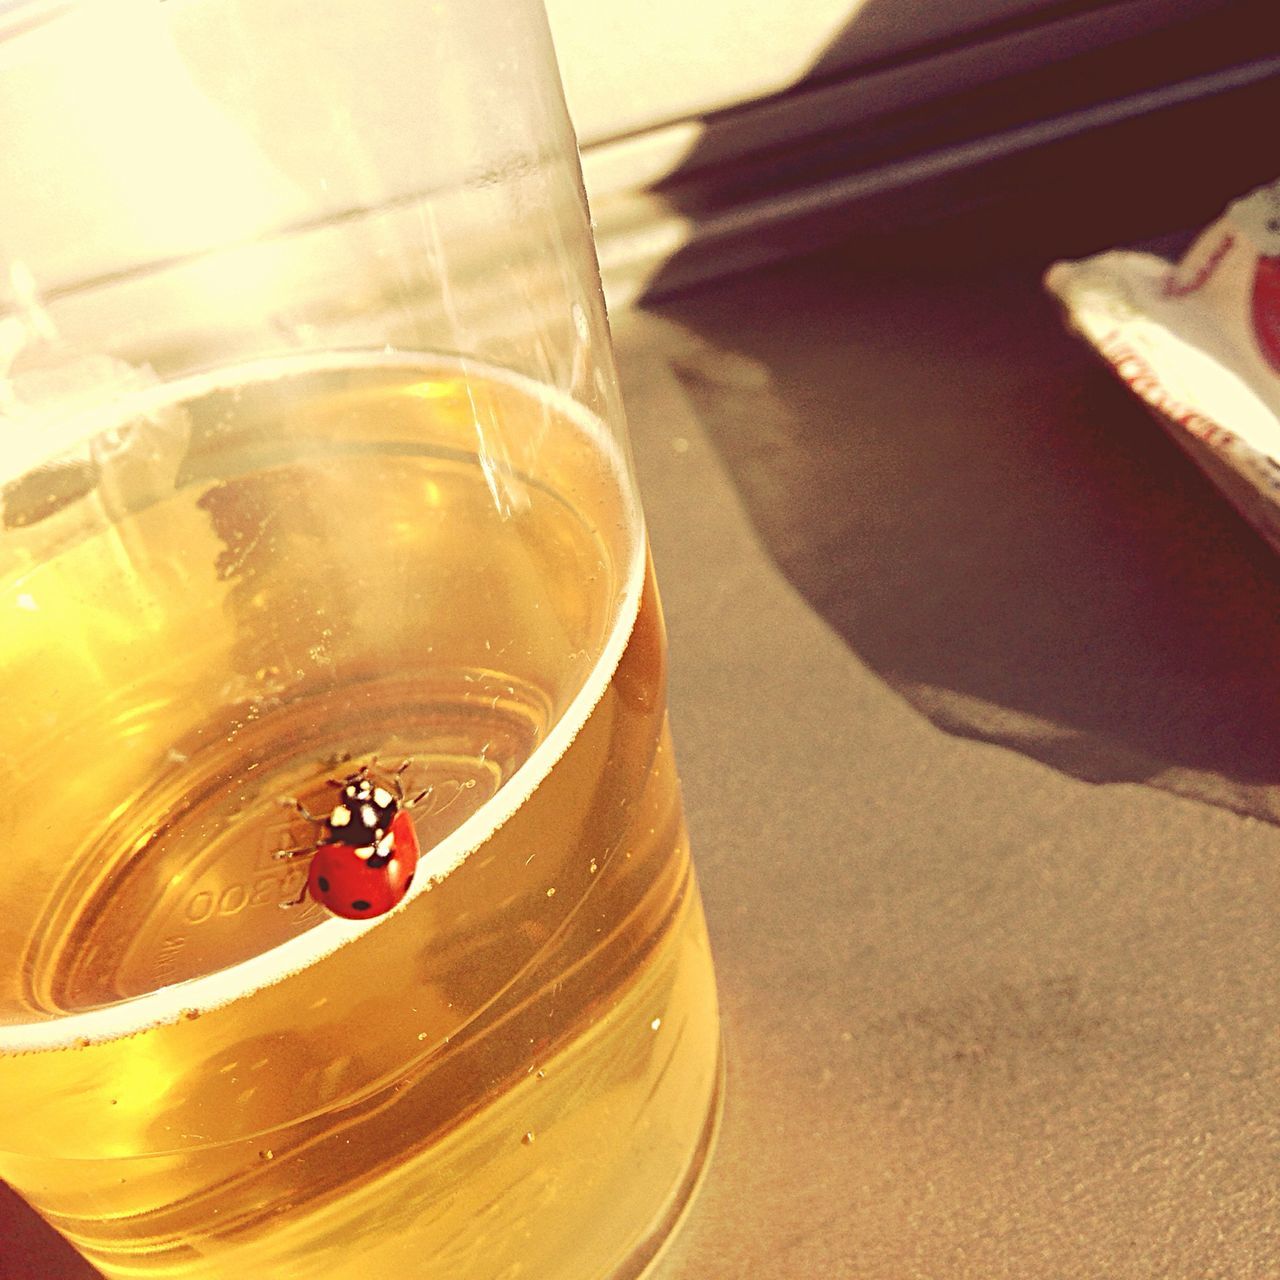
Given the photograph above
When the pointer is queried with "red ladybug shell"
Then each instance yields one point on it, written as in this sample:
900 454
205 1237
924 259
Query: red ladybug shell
344 883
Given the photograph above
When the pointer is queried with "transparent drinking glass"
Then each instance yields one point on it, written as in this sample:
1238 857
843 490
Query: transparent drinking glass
318 532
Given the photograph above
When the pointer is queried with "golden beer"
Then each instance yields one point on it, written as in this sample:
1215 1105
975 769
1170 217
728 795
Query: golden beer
216 602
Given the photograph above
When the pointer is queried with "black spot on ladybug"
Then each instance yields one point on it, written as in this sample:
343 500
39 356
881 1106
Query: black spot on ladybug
322 884
361 905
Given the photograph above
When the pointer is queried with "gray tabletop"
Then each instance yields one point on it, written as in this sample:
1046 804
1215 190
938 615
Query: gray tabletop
976 691
976 694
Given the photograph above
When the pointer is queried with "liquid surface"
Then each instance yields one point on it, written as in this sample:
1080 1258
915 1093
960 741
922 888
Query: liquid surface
225 602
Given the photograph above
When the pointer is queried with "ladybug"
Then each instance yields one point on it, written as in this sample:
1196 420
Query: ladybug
364 861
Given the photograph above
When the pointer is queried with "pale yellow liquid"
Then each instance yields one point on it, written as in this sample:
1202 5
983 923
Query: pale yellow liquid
227 601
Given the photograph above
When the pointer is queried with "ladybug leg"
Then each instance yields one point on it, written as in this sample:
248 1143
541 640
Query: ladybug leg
296 900
401 800
396 785
288 855
301 808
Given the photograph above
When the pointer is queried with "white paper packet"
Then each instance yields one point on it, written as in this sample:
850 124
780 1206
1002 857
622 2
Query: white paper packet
1199 342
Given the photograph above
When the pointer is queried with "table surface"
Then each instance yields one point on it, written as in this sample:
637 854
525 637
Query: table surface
976 685
975 692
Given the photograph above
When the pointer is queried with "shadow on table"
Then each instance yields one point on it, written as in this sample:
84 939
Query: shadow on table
992 524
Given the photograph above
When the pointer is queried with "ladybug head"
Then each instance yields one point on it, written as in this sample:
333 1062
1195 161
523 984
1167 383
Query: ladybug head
363 815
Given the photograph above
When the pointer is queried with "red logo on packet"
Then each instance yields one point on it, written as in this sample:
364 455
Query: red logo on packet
1266 309
1196 269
